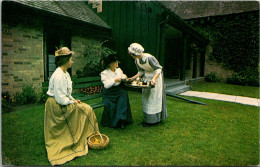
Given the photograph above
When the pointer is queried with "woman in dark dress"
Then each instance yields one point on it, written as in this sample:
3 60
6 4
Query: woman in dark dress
117 111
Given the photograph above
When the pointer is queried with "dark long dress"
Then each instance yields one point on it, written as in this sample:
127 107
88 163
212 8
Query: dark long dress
116 107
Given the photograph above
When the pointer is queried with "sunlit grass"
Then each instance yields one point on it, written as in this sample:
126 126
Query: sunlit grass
248 91
216 134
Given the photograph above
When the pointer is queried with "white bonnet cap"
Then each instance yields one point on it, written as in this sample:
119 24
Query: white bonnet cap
136 49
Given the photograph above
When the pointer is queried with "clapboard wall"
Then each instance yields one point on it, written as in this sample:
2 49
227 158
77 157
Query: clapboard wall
133 21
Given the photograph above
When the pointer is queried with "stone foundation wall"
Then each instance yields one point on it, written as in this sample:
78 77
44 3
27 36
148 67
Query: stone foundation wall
22 55
23 52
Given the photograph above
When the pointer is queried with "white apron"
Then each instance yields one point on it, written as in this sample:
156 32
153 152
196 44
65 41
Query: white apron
151 98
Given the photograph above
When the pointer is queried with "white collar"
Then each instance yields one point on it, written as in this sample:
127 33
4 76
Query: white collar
61 72
111 70
144 57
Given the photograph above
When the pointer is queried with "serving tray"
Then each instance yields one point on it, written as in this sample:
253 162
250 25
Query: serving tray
140 86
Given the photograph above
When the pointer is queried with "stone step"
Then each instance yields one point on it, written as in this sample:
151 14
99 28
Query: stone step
194 80
173 82
176 86
177 89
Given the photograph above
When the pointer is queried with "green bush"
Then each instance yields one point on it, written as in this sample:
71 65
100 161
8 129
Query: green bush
93 60
246 77
42 97
7 103
235 44
212 77
27 96
90 69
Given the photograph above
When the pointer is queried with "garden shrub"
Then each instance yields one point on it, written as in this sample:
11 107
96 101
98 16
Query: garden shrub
92 64
246 77
235 44
7 103
42 97
27 96
212 77
93 60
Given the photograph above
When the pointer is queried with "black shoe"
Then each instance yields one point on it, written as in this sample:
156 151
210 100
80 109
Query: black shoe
145 124
122 126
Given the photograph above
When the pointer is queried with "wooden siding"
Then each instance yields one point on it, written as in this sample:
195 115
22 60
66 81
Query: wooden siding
132 21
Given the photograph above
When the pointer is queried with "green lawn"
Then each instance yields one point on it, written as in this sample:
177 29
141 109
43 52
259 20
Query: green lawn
249 91
216 134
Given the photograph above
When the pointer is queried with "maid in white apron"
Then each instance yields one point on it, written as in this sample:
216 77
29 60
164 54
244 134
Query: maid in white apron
154 99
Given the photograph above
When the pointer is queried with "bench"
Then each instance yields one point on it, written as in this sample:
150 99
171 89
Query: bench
85 89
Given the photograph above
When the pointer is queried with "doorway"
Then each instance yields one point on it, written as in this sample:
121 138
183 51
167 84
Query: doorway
54 39
173 52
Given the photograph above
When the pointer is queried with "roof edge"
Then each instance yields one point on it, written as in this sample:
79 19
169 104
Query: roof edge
60 15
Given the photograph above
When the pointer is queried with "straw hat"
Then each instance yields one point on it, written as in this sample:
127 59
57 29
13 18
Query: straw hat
136 49
63 52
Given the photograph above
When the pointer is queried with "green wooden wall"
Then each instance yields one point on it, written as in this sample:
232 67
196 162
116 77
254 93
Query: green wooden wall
132 21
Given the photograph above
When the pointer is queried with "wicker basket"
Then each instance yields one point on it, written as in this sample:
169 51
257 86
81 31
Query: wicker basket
98 141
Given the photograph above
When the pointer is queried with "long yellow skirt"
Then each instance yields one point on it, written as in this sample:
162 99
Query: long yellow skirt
66 130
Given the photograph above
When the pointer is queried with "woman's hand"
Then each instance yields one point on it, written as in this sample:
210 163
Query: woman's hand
76 101
118 79
130 79
124 77
153 82
133 78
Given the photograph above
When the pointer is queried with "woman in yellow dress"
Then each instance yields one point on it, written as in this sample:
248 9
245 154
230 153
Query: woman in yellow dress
67 122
